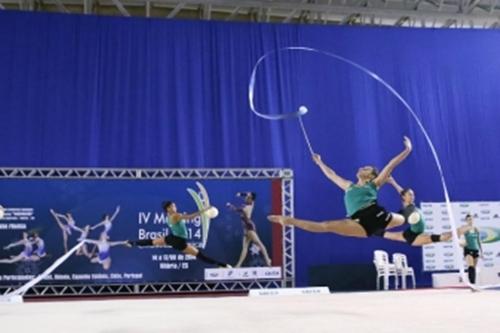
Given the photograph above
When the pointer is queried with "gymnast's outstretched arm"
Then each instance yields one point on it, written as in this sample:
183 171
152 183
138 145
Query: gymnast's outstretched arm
389 168
330 174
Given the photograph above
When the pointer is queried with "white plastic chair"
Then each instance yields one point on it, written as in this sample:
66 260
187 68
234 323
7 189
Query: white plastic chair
384 269
402 268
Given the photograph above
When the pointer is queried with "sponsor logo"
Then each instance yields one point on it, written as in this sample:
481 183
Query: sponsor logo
243 273
272 273
490 235
19 214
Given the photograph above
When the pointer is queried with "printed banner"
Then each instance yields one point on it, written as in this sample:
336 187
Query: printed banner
441 256
43 218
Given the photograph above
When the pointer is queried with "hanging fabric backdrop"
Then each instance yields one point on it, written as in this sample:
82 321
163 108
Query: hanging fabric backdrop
79 91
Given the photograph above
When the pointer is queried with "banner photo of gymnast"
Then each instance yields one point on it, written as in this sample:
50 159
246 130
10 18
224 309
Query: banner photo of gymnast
134 231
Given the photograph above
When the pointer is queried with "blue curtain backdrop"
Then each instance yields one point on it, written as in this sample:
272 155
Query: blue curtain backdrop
80 91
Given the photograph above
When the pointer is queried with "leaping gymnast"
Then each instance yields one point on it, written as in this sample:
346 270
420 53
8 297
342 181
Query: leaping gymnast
414 234
107 221
177 238
365 216
103 257
84 250
65 228
25 255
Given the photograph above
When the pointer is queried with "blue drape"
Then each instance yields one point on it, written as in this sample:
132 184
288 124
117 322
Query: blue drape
102 91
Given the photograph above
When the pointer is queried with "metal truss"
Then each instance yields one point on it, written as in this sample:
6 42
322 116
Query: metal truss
114 173
288 268
407 13
147 289
287 196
